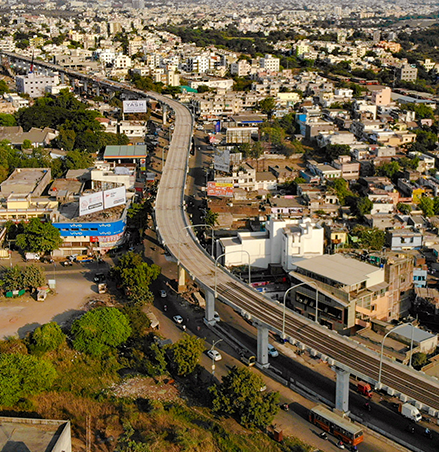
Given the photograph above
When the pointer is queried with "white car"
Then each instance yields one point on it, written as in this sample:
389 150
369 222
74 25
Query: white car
178 319
214 354
272 351
163 294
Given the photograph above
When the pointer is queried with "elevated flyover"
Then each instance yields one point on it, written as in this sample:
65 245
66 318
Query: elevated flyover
171 221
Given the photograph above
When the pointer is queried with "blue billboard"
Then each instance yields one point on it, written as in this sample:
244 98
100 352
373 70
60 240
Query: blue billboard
98 229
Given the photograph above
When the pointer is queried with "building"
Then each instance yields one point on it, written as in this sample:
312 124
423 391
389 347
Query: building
26 181
282 242
126 154
350 292
35 84
36 435
404 239
407 73
381 96
269 63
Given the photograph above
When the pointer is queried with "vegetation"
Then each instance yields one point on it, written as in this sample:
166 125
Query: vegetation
369 238
135 276
240 395
186 353
211 218
46 338
419 360
101 330
17 278
38 237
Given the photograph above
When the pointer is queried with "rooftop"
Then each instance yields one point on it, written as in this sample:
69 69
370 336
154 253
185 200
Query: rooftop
337 267
127 152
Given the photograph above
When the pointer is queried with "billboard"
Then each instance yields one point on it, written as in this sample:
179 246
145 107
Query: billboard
91 203
220 189
114 197
134 106
218 127
221 161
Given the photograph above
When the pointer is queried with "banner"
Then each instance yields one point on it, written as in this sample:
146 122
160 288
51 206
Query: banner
134 106
220 189
218 127
91 203
221 161
114 197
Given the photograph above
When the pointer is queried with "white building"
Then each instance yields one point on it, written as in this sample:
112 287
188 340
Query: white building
35 84
283 242
198 64
269 63
122 62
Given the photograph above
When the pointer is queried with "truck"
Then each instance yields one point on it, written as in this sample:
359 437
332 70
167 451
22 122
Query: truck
32 256
247 357
364 388
410 412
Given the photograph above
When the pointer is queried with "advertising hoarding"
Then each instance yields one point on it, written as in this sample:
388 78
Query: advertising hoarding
114 197
220 189
221 160
134 106
91 203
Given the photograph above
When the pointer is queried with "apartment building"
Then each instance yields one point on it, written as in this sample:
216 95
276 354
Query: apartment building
35 84
407 73
269 63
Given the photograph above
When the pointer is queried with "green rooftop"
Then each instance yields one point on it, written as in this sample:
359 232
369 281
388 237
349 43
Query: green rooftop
126 152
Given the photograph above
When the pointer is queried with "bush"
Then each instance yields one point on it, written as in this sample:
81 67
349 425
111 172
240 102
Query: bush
46 338
100 330
23 375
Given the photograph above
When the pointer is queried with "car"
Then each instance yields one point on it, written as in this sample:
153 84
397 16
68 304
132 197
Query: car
216 317
163 294
214 354
178 319
272 351
84 259
66 263
99 277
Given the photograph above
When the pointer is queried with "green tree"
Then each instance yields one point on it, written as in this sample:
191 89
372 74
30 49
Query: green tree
256 150
427 206
419 360
39 237
138 215
333 151
405 209
211 218
135 277
12 278
240 395
46 338
3 87
7 120
186 354
33 276
22 376
268 106
360 206
66 139
100 330
341 188
388 169
78 160
370 238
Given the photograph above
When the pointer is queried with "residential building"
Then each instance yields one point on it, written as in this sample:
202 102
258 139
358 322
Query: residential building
270 63
404 239
381 96
35 84
407 73
26 181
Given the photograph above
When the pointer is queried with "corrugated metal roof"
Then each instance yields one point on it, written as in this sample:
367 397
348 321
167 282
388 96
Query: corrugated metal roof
337 267
137 151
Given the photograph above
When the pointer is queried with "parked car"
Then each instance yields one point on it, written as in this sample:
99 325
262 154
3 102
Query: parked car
178 319
214 354
84 259
163 294
272 352
67 263
99 277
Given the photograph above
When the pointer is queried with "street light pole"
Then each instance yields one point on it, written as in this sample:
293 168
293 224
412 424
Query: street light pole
285 300
213 361
196 226
221 255
382 348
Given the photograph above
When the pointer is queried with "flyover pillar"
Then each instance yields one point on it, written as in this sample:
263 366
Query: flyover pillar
98 91
342 390
164 114
210 307
262 351
85 84
62 78
181 279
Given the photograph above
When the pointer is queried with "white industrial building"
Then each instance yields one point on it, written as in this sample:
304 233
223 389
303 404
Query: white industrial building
35 84
283 242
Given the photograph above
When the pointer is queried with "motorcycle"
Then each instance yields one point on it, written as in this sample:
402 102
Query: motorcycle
285 406
428 434
411 428
340 444
323 435
367 406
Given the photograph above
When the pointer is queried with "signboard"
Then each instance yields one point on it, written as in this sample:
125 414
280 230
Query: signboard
218 127
220 189
91 203
115 197
134 106
221 160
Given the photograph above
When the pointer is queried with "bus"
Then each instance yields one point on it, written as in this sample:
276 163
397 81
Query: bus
342 428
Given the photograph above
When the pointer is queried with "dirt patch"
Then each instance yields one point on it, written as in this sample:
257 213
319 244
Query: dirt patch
147 388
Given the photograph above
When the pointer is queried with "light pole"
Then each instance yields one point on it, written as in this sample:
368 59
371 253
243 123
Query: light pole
213 360
382 348
237 251
285 300
197 226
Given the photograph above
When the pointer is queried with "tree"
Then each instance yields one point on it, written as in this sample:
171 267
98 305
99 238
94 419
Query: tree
186 354
138 214
360 206
419 360
39 237
427 206
7 120
13 278
135 276
22 376
240 395
211 218
268 106
78 160
342 190
333 151
100 330
388 169
33 277
3 87
370 238
405 209
46 338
